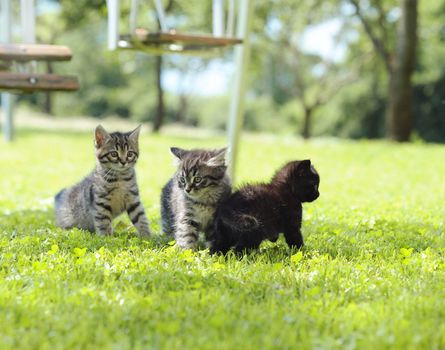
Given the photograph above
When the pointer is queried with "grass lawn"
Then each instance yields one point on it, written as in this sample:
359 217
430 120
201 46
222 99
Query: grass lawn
371 276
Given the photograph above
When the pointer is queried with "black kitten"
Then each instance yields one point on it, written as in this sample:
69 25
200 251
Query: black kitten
258 212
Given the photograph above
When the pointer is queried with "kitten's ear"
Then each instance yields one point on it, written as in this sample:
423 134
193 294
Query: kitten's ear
219 159
134 135
101 136
303 167
179 153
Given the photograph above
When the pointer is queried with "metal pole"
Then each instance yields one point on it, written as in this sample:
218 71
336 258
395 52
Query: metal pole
133 15
236 112
161 15
113 23
7 106
28 21
230 18
7 99
5 21
28 25
217 12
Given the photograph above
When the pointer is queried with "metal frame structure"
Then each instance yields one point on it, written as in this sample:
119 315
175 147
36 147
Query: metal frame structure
22 57
27 17
221 37
7 98
168 41
236 111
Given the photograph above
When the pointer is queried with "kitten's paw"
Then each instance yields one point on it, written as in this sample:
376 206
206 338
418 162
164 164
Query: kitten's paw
188 245
187 239
218 248
294 245
144 233
213 249
273 239
240 249
105 232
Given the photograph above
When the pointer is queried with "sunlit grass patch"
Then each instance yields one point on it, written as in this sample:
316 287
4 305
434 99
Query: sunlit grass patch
371 275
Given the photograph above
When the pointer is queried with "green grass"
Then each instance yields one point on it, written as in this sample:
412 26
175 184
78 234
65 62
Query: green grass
371 276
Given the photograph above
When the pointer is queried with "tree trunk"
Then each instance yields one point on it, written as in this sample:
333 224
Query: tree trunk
399 108
48 101
159 117
182 109
307 123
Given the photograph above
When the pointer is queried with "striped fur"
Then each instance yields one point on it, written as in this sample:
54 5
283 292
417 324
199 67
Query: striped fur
108 191
189 199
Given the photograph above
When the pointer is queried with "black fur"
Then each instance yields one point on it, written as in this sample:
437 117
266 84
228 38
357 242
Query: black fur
258 212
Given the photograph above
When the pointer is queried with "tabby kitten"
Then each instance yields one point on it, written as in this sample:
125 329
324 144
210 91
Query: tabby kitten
191 196
258 212
108 191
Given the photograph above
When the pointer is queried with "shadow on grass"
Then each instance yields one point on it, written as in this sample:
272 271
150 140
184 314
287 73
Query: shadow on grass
382 237
41 225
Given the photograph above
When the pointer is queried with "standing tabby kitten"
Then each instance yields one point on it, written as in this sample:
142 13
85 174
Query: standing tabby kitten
259 212
189 200
108 191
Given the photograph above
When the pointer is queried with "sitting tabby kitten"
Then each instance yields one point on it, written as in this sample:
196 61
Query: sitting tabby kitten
108 191
190 198
259 212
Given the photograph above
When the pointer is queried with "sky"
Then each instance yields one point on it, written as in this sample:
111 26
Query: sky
320 39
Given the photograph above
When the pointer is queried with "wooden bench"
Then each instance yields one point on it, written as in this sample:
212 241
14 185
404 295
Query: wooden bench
30 82
160 42
34 52
33 82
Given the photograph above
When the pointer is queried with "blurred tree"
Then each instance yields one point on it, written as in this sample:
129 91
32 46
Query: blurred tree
316 82
182 16
292 72
429 108
159 116
49 28
106 77
429 92
76 13
286 78
398 59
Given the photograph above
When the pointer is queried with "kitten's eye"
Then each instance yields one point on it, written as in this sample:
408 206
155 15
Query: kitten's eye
114 154
198 179
130 154
182 179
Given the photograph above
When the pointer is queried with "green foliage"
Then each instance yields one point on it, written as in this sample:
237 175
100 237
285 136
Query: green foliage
75 13
431 48
368 109
261 115
112 83
371 276
281 75
429 109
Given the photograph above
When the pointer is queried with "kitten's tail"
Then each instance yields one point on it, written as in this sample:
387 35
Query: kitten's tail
240 221
57 198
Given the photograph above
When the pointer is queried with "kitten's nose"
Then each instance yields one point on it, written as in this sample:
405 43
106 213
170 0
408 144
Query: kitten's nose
188 189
